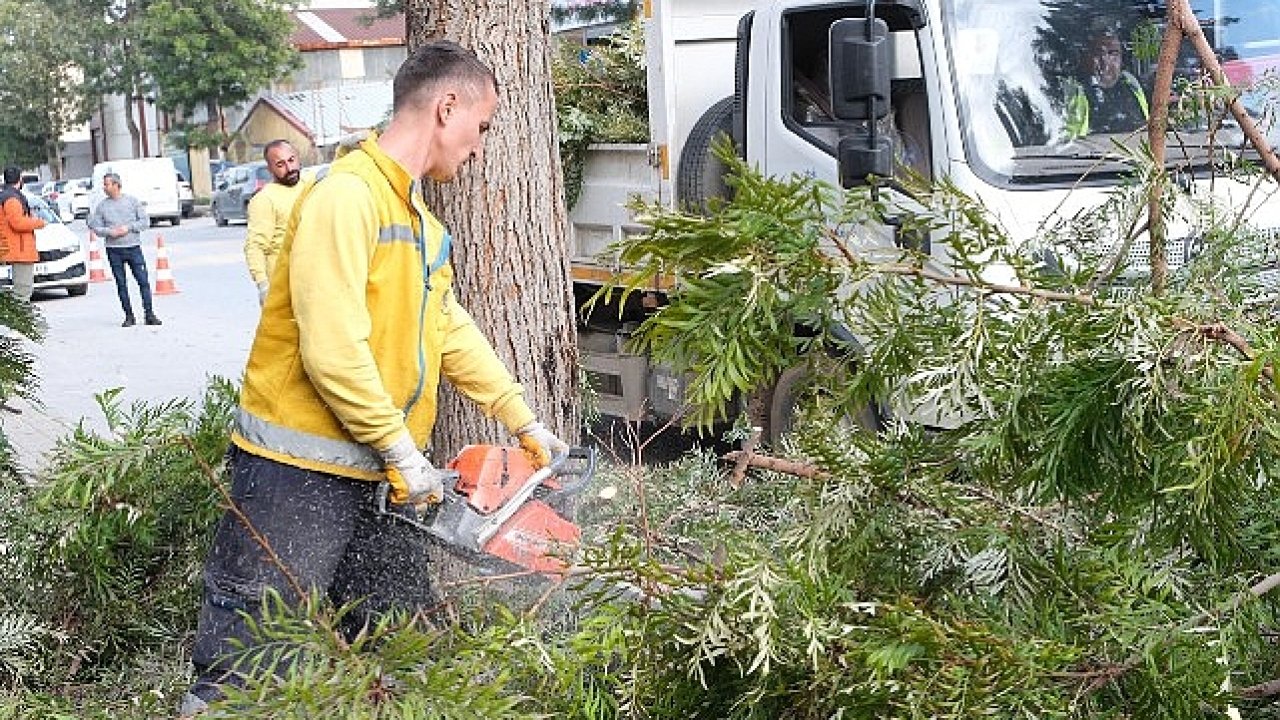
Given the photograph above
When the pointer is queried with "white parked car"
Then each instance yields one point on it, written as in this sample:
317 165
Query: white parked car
64 256
55 193
186 199
78 188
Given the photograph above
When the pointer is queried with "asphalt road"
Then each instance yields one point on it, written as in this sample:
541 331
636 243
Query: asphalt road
208 327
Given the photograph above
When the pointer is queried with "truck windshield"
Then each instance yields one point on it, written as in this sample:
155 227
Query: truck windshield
1054 90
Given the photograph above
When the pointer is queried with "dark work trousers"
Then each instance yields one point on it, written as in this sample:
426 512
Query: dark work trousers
119 257
327 531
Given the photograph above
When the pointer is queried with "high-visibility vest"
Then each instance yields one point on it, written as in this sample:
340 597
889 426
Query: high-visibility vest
1078 108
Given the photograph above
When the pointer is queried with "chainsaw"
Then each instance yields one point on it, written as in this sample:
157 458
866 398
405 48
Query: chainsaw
500 513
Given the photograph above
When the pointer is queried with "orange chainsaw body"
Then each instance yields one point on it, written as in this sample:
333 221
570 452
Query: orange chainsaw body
535 536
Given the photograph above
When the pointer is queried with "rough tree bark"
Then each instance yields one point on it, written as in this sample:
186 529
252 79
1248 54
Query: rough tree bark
507 215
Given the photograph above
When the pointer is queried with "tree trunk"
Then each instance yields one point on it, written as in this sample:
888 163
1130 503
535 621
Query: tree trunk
214 126
53 158
507 216
419 18
134 133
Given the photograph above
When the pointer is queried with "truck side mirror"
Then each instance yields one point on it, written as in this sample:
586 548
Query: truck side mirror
860 155
860 69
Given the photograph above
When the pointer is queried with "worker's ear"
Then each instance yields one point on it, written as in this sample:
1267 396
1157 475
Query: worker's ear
446 106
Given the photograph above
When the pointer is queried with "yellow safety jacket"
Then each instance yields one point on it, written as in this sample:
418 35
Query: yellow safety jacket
351 356
269 213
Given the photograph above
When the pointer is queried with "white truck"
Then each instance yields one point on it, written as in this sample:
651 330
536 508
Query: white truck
153 181
976 89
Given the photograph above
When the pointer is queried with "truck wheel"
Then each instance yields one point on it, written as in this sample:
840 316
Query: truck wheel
789 389
700 175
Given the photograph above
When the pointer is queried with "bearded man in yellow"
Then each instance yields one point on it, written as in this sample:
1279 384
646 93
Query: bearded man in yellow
269 212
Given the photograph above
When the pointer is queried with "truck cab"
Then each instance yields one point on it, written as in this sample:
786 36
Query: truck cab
1005 99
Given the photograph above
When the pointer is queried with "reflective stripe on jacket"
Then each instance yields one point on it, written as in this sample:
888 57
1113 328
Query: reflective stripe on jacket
351 356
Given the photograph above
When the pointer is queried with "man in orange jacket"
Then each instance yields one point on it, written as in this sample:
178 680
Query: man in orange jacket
17 233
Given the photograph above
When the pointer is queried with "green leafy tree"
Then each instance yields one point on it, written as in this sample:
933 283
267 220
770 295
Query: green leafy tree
40 82
112 59
19 146
214 55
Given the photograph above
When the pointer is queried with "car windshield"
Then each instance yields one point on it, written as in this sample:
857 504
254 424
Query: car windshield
40 209
1051 91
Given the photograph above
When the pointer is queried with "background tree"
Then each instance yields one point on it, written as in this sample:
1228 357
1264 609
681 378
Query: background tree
18 146
507 212
211 55
40 87
112 59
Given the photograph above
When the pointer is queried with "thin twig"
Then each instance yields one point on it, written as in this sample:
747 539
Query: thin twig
1223 334
768 462
993 288
995 500
957 281
744 457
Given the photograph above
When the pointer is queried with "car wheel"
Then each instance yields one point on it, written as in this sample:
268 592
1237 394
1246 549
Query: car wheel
78 290
176 220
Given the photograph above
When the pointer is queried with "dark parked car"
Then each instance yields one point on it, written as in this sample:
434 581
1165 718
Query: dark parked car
238 184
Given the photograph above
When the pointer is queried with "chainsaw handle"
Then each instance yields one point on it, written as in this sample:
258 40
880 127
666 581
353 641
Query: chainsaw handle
582 471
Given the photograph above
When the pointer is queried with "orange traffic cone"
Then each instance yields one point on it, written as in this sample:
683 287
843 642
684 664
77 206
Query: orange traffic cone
164 277
97 268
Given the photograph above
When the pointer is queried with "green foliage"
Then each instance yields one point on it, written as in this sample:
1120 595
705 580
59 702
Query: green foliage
751 274
110 58
1088 517
400 669
39 80
20 322
111 538
600 97
187 136
201 54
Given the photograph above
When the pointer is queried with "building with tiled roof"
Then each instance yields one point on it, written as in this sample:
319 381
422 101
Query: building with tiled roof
328 29
349 57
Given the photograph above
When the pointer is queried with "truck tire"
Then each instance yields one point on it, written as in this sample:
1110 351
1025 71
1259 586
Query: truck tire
700 174
787 390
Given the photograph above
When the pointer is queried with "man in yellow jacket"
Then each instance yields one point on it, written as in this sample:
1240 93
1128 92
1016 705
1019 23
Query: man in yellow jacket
269 212
339 393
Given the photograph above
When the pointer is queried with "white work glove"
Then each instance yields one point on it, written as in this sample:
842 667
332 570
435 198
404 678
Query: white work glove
413 479
540 443
262 292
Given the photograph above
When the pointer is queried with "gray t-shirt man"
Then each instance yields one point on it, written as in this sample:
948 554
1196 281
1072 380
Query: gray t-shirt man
113 214
117 220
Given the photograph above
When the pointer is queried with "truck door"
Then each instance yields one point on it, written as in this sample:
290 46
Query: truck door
802 130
